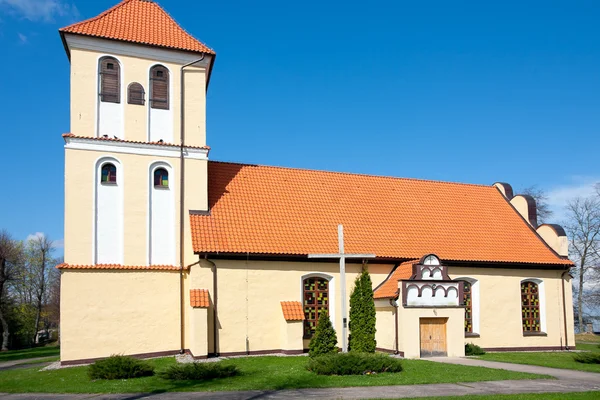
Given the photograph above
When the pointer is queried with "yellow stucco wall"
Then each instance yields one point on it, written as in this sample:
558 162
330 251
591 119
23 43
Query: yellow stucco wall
118 312
385 325
79 203
84 96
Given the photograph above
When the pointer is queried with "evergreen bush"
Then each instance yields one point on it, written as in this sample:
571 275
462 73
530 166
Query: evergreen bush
354 364
473 350
587 358
362 316
120 367
324 341
199 371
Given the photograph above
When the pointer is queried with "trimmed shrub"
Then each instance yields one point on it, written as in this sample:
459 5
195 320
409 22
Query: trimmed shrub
199 371
324 340
120 367
354 364
362 315
587 358
473 350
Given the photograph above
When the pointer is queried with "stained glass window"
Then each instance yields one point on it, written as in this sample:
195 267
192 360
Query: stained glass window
530 307
161 178
316 299
108 174
468 302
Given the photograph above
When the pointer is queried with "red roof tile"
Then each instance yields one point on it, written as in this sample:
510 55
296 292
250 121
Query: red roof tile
199 298
389 287
139 21
292 311
119 266
109 139
284 211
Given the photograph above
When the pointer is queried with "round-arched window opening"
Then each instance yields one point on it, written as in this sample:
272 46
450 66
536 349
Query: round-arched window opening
108 175
161 178
431 260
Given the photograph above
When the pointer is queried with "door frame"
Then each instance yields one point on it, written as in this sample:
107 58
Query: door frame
444 326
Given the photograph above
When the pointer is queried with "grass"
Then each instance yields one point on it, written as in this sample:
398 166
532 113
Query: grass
529 396
12 355
586 338
257 373
560 360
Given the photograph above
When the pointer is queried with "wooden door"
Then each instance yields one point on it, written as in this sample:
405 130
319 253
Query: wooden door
433 337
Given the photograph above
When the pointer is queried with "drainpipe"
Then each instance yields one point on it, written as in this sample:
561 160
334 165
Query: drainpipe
395 305
215 299
182 203
562 278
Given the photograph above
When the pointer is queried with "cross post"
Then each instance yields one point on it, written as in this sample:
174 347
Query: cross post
342 257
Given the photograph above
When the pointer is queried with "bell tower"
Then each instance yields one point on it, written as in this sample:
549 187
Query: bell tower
136 155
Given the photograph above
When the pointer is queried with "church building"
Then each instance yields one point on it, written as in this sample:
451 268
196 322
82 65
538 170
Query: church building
167 252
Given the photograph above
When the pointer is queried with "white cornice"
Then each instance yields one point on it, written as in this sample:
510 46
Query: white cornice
134 50
143 149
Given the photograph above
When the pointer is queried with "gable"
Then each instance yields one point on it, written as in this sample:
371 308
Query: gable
284 211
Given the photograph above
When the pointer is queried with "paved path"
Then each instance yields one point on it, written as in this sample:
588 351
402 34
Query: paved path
568 381
24 363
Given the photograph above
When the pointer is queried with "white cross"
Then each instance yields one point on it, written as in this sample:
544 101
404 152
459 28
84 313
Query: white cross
342 256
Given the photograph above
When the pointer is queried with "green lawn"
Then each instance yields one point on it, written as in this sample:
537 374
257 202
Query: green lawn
48 351
595 347
262 373
563 360
541 396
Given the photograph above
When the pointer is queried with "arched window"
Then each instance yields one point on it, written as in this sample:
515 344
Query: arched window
110 80
108 174
316 300
161 178
530 307
431 260
468 302
136 94
159 87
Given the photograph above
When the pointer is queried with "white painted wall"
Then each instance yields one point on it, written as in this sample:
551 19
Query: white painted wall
161 219
108 220
474 301
428 299
160 122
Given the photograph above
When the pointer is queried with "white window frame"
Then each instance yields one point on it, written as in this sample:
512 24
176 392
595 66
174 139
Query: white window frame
475 306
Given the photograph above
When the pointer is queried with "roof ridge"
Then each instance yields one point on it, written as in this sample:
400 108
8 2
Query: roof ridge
357 174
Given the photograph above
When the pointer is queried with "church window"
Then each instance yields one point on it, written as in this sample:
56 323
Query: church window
136 94
530 307
110 80
316 300
161 178
108 174
159 87
468 302
431 260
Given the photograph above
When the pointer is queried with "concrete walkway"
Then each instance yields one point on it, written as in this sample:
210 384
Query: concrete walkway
568 381
24 363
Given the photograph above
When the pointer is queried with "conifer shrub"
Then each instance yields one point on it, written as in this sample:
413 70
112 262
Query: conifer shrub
362 316
324 341
120 367
473 350
354 363
587 358
199 371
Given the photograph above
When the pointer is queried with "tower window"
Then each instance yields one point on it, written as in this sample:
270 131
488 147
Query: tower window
161 178
110 80
136 94
159 87
108 174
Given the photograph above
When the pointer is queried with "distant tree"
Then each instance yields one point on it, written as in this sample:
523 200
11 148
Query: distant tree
362 315
11 254
324 340
40 261
541 200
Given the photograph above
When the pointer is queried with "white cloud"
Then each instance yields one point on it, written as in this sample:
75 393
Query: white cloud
22 38
40 10
559 196
58 244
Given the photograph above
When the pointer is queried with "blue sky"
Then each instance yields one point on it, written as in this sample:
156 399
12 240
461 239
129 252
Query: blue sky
464 91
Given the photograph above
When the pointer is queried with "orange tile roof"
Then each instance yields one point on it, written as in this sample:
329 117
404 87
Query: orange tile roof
292 310
284 211
139 21
109 139
119 266
389 287
199 298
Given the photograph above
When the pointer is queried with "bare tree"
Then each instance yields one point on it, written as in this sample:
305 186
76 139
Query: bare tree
541 200
39 258
583 229
10 255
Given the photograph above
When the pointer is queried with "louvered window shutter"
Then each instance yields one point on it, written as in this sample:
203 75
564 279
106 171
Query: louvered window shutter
110 85
159 91
136 94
